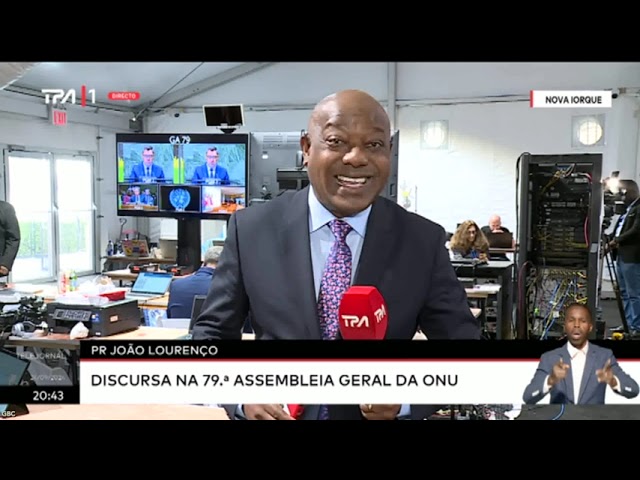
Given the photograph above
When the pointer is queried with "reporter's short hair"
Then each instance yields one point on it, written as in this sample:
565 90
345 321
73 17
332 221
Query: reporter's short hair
212 255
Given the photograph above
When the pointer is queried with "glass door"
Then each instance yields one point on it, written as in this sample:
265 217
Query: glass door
30 191
76 216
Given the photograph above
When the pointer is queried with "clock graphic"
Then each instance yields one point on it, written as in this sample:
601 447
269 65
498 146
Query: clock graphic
179 199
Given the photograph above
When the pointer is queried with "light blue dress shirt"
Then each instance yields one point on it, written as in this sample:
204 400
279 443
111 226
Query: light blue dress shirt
322 239
624 217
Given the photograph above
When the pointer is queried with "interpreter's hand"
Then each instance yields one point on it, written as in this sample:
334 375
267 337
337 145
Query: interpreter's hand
4 270
266 412
605 375
380 412
484 257
558 373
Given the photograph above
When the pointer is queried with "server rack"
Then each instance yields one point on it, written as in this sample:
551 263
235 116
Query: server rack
559 231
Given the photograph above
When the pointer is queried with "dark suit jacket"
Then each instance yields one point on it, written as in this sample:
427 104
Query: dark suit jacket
183 290
138 172
629 239
266 264
9 235
591 391
201 173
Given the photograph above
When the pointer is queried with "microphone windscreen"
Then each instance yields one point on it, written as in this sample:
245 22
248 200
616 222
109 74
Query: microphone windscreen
363 314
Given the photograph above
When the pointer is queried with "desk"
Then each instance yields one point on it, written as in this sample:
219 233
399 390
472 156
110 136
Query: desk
111 260
62 341
121 275
157 302
500 273
123 412
503 251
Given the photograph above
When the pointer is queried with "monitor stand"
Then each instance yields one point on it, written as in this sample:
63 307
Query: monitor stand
189 240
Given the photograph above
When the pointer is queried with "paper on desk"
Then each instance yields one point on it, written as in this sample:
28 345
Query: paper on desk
487 287
514 413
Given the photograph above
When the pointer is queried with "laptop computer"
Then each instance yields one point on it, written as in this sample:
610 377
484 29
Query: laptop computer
198 301
500 240
150 284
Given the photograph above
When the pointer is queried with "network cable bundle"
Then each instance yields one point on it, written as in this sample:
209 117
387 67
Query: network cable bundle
560 199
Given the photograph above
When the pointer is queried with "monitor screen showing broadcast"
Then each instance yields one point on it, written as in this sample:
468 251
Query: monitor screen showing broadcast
181 175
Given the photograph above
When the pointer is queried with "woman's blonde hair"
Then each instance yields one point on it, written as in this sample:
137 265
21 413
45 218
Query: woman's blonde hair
460 240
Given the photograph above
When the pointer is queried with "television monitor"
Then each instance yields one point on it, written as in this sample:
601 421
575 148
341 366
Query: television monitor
271 151
223 115
199 176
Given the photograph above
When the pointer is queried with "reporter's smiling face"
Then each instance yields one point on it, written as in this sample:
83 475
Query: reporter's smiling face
348 152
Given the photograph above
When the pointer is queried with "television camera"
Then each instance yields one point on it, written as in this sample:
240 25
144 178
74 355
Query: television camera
613 198
614 204
28 318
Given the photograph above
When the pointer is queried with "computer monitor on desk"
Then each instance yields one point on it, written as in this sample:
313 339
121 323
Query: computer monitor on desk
198 301
12 371
500 240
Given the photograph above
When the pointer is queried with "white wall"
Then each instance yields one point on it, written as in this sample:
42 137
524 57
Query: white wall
486 138
476 176
35 133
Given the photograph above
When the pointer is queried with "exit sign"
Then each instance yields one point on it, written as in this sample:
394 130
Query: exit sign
58 117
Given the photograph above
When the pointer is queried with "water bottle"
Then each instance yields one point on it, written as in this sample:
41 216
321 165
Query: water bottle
110 249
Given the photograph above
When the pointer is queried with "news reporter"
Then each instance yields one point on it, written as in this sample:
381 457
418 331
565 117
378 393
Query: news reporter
289 261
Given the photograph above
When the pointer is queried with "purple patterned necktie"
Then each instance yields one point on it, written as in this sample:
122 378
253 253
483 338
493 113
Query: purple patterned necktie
336 279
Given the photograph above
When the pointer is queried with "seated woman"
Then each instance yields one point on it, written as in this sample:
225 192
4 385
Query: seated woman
469 242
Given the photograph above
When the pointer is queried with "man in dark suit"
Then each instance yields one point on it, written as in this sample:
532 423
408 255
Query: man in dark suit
579 371
286 260
626 250
9 237
211 171
183 290
146 171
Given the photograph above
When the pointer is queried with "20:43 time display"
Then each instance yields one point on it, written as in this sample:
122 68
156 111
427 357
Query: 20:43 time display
47 396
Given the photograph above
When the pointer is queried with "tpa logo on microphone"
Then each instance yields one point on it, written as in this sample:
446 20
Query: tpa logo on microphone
353 321
380 313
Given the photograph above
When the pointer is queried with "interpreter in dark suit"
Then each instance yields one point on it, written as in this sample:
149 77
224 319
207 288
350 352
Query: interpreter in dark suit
579 371
211 172
626 250
146 171
9 237
279 260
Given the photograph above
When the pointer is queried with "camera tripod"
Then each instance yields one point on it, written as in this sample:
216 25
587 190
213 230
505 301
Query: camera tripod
622 332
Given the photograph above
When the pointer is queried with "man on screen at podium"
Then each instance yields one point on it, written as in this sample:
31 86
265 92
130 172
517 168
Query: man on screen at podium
579 371
288 262
146 171
211 172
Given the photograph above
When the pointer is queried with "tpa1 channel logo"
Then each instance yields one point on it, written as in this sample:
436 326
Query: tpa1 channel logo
58 96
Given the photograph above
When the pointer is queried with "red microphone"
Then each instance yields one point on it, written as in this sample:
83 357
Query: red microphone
363 314
295 411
